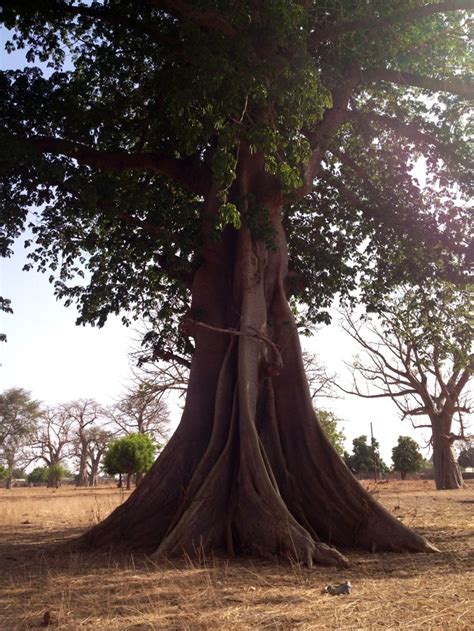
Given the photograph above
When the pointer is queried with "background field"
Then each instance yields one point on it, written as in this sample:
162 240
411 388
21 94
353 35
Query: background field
110 592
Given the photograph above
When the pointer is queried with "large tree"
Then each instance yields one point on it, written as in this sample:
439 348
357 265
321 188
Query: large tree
142 409
203 161
132 455
419 353
406 456
19 414
85 417
52 442
365 458
98 439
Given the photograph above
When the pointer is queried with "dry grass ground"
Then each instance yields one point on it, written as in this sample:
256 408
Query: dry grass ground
100 591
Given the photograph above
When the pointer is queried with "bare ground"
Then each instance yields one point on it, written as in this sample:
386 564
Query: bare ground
112 592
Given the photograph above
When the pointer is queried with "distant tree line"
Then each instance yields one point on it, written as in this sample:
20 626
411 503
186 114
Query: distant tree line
365 457
122 439
80 434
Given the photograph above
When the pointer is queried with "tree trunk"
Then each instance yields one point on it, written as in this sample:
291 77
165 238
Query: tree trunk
403 475
9 482
129 477
446 469
53 482
94 471
82 476
249 470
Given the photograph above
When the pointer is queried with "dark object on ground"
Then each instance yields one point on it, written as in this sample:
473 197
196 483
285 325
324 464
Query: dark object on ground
49 618
337 590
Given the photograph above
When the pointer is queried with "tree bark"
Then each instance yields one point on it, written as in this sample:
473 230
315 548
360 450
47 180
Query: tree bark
93 479
249 470
82 476
446 469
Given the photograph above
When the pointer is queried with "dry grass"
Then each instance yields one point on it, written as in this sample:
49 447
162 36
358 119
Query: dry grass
99 591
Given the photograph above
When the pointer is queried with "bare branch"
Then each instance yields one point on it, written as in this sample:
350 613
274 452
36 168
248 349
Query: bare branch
420 426
382 395
466 375
354 333
321 383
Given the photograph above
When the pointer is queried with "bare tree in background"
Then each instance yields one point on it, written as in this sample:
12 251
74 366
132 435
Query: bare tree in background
19 415
53 439
322 383
420 356
157 372
84 414
143 410
98 439
155 363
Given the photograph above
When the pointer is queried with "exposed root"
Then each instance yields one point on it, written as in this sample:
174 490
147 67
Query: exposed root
326 555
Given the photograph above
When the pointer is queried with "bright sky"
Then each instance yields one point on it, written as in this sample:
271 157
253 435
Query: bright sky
58 361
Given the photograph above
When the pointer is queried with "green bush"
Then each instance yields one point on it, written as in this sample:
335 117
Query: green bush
133 454
39 475
56 473
3 473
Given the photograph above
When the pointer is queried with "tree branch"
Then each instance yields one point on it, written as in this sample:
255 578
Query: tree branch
420 426
183 171
325 130
466 375
211 20
170 357
382 395
334 31
452 85
420 411
408 130
114 18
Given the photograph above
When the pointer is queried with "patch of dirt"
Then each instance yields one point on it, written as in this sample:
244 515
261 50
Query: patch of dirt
111 592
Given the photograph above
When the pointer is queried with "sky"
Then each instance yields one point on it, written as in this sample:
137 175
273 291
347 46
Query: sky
47 354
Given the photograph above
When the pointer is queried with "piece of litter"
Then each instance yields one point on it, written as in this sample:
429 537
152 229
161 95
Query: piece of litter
337 590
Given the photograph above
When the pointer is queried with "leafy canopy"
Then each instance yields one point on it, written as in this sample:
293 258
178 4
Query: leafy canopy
406 456
129 117
19 414
39 475
466 454
131 454
365 458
